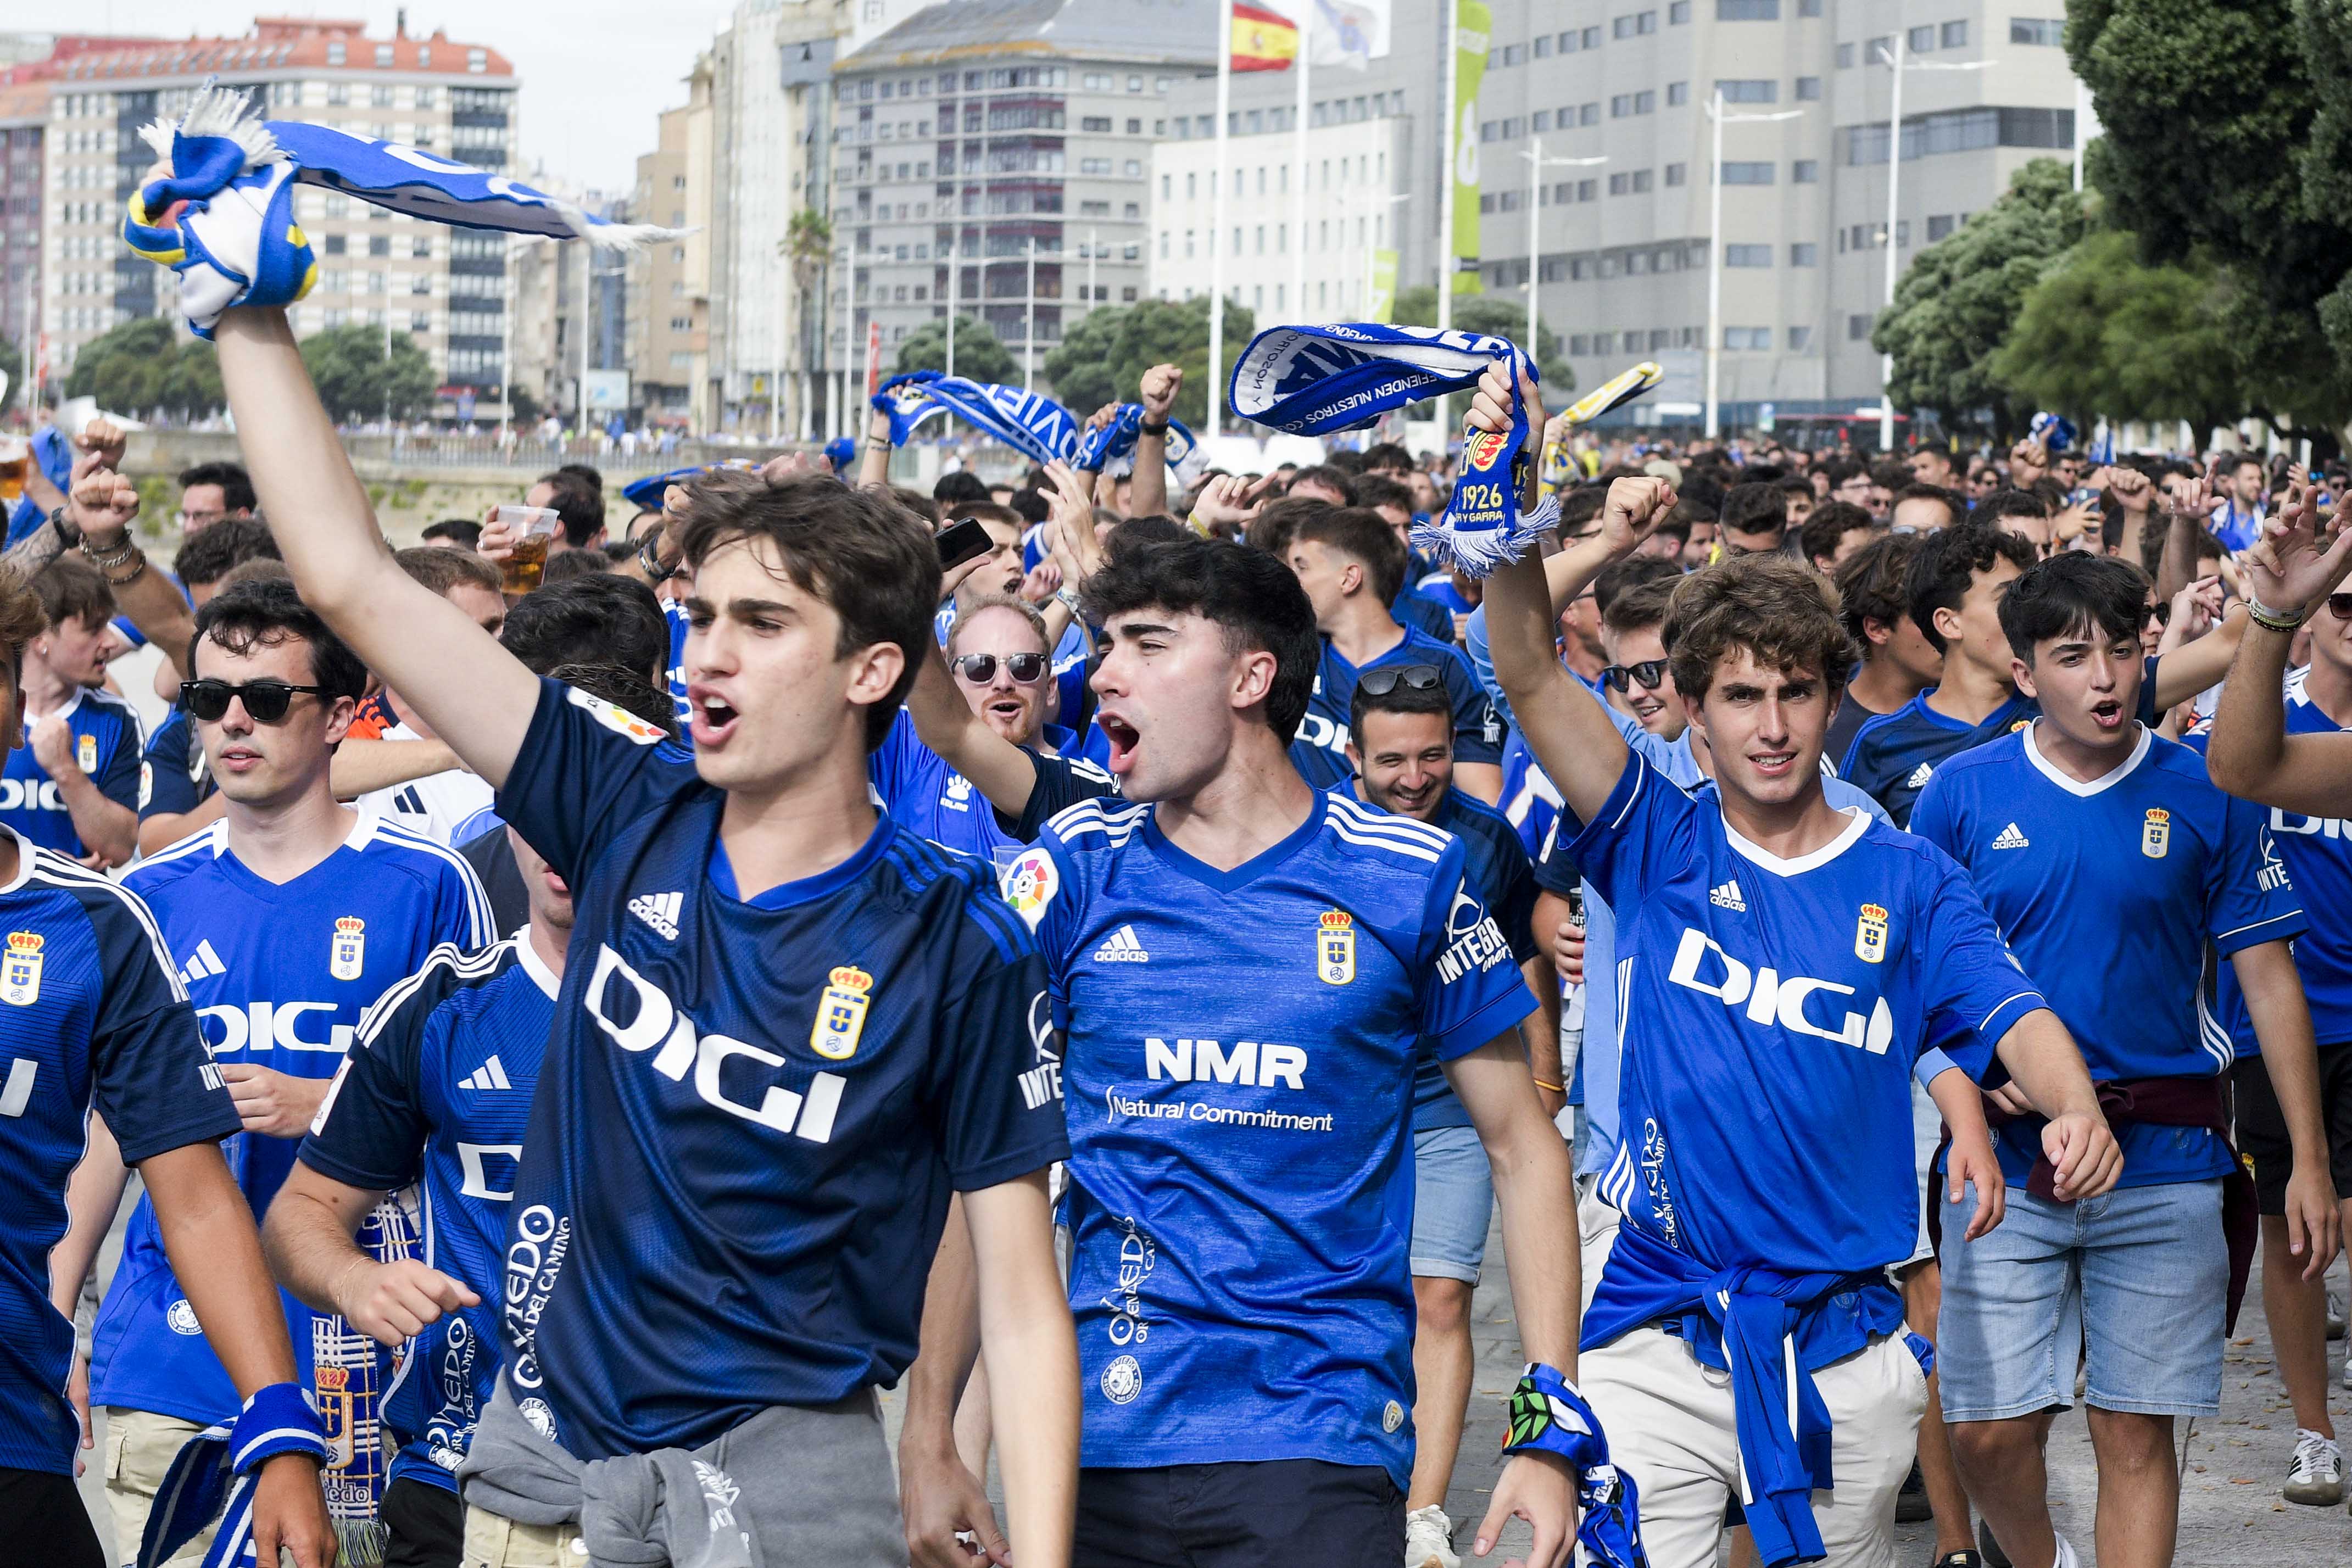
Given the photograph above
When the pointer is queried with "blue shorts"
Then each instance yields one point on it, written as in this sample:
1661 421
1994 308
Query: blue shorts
1452 1197
2135 1282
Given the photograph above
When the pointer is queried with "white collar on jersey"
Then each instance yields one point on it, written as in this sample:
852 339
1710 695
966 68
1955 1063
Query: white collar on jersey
363 831
2075 787
533 965
1857 824
24 858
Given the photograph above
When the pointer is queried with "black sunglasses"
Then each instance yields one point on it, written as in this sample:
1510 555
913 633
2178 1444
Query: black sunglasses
266 701
1651 673
1381 683
1028 669
2340 606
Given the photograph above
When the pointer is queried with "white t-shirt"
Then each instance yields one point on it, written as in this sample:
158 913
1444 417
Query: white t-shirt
436 805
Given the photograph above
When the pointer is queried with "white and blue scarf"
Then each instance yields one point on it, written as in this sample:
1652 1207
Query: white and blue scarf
1108 443
1315 380
1030 422
223 218
214 1475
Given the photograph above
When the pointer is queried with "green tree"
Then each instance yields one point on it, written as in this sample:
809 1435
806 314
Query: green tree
2103 333
1958 302
1417 307
1104 356
979 356
357 382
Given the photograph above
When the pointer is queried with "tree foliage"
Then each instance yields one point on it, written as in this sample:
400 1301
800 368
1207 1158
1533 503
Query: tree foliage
1103 356
357 382
1417 307
979 356
140 367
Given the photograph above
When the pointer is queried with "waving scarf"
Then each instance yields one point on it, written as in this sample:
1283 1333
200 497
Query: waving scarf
1106 444
1031 423
647 493
223 217
1314 381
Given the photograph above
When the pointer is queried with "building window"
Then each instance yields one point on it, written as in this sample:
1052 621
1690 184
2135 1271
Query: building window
1585 190
1678 13
1747 174
1804 256
1747 255
1809 7
1635 25
1747 10
1751 90
1845 56
1513 54
1678 94
1808 90
1953 35
335 51
1587 114
1750 340
1543 48
1805 172
1676 173
1857 328
1541 121
1920 40
2044 32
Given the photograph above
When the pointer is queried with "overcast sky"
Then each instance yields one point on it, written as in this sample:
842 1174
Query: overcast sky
594 72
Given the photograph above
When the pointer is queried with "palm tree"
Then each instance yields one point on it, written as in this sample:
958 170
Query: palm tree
808 245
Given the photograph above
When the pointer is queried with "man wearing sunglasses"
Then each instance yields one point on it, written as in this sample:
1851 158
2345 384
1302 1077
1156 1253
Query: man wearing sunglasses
288 917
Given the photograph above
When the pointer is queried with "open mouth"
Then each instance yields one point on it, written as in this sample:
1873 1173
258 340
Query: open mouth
1123 738
714 717
1774 764
2107 714
1007 709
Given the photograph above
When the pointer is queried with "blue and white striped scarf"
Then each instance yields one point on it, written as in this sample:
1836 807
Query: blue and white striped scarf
1106 444
1317 380
1030 422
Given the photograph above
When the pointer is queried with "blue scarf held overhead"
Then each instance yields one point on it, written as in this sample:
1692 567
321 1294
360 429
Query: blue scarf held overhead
1031 423
1319 380
1106 444
647 493
214 1474
223 217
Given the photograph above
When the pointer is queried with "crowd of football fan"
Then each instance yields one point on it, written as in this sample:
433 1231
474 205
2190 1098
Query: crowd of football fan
2017 657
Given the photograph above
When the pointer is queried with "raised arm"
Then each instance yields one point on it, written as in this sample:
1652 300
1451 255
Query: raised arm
873 452
2197 665
1149 494
476 696
2297 563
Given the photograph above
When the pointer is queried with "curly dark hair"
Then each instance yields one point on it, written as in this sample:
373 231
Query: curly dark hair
1775 607
1254 598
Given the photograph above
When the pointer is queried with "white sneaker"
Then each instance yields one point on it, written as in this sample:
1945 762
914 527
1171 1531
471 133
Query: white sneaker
2316 1475
2334 1316
1428 1539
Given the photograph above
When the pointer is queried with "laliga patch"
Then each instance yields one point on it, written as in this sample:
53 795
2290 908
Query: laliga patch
841 1014
20 969
1029 884
1870 934
2155 833
346 954
619 720
1335 948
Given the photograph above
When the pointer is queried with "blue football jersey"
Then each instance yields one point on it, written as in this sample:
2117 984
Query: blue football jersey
674 612
1320 746
1769 1012
437 1086
1417 610
107 744
751 1111
90 1010
928 798
175 777
279 973
1239 1056
2108 892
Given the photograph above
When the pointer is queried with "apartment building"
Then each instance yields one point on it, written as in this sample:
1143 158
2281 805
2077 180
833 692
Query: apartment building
445 289
995 154
668 328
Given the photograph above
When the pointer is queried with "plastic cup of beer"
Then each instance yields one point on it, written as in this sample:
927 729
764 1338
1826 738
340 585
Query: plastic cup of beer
16 456
532 526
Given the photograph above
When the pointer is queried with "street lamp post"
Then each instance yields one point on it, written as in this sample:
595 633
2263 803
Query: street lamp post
1537 164
1375 205
1891 56
1715 111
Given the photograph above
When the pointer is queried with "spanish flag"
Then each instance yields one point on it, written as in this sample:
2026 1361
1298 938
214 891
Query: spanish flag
1262 40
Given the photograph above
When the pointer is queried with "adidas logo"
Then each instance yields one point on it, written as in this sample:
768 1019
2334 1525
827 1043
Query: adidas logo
491 1074
660 911
2011 839
1122 948
1920 777
203 966
1727 897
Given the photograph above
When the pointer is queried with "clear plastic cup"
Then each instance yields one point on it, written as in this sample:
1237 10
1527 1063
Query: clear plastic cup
532 526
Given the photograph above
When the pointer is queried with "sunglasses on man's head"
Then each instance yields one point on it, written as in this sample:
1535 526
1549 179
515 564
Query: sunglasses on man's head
265 701
1651 673
1381 683
1027 669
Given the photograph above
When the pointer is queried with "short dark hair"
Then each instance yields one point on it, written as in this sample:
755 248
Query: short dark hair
1642 605
1955 505
871 560
443 569
1870 586
1034 508
1151 528
1831 521
1380 490
1398 698
70 590
211 552
1277 521
986 512
932 511
963 485
1579 507
1253 598
572 563
462 531
2231 466
1939 576
629 692
2013 503
1838 470
2071 592
1387 457
1349 462
601 619
587 474
1334 479
1780 610
235 484
1889 474
579 502
22 618
1363 535
1622 576
1755 509
269 610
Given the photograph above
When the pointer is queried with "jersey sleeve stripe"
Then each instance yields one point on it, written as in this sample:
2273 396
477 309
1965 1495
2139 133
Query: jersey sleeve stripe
1633 796
2018 1004
62 873
2222 936
1413 852
1361 816
447 956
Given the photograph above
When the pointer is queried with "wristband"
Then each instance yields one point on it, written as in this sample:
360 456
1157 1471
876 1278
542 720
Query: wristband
2271 619
649 558
1549 1416
1147 428
67 535
1067 598
216 1468
108 559
1555 1088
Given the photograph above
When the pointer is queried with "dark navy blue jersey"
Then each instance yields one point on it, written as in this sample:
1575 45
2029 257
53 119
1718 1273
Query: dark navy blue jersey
1417 610
751 1111
680 623
437 1090
1895 754
107 743
1320 746
927 797
173 777
91 1011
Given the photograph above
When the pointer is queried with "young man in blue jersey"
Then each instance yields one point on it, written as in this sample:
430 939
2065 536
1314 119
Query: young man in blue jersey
96 1019
288 916
1350 562
795 1028
1401 748
1248 971
1784 966
2086 799
73 785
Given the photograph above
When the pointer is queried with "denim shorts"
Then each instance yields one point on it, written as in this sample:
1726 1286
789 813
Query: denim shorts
1452 1197
2135 1282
